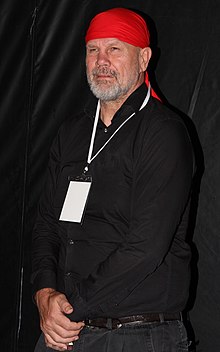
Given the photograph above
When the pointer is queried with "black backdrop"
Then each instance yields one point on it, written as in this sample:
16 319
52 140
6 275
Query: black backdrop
43 81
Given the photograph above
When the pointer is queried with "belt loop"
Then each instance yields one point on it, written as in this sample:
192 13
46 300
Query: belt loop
181 316
109 323
161 316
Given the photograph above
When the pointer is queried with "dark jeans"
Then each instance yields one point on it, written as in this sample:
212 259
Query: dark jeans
151 337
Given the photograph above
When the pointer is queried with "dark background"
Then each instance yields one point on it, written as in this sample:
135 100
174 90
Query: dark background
43 81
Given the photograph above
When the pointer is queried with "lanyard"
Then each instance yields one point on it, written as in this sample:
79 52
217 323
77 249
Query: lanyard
90 158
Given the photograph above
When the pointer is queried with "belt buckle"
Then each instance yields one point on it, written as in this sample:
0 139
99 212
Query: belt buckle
110 324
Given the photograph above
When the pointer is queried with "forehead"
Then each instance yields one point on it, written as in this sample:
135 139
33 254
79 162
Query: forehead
106 42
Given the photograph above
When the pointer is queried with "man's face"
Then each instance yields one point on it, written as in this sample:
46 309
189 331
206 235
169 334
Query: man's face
114 68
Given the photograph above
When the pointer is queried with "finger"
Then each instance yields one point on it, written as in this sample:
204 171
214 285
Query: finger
73 326
55 339
66 307
62 331
61 325
56 346
68 325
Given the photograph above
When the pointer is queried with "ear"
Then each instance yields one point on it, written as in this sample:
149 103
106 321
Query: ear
144 58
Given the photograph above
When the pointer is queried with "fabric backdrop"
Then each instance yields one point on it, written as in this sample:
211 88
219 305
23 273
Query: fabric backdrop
42 78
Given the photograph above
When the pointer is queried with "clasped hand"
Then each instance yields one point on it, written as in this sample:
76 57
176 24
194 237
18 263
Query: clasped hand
58 330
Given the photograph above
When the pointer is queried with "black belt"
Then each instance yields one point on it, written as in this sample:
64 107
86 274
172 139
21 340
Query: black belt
116 323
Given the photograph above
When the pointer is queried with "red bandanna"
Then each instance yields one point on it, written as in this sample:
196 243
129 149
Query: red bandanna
123 24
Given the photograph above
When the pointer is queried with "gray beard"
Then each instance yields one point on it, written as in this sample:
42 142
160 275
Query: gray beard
111 93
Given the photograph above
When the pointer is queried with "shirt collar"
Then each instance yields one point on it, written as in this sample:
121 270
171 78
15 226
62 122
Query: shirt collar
131 105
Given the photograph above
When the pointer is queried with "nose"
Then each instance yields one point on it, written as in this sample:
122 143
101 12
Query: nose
102 59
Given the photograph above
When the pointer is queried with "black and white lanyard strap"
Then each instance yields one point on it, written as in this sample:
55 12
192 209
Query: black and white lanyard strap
90 158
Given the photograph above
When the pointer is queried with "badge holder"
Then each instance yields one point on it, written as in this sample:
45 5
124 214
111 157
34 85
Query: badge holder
76 198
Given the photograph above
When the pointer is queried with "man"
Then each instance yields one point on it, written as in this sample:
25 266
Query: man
116 276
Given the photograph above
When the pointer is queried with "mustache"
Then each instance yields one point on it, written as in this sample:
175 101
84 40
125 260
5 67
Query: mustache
104 71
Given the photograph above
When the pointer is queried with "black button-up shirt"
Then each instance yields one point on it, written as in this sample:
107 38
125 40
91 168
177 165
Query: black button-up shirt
129 255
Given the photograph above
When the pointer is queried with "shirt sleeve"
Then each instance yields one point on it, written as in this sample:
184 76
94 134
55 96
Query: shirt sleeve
45 239
163 171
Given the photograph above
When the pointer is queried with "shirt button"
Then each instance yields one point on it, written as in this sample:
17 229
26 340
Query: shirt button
68 274
105 130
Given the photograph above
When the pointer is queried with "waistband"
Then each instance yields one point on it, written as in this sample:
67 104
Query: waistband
116 323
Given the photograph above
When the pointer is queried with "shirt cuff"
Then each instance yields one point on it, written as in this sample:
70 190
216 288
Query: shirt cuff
44 279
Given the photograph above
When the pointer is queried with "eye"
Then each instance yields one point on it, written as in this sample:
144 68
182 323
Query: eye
114 48
92 50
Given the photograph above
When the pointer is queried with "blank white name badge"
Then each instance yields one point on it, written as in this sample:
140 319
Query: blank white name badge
76 198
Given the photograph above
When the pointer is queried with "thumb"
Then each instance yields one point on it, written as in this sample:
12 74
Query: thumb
66 306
